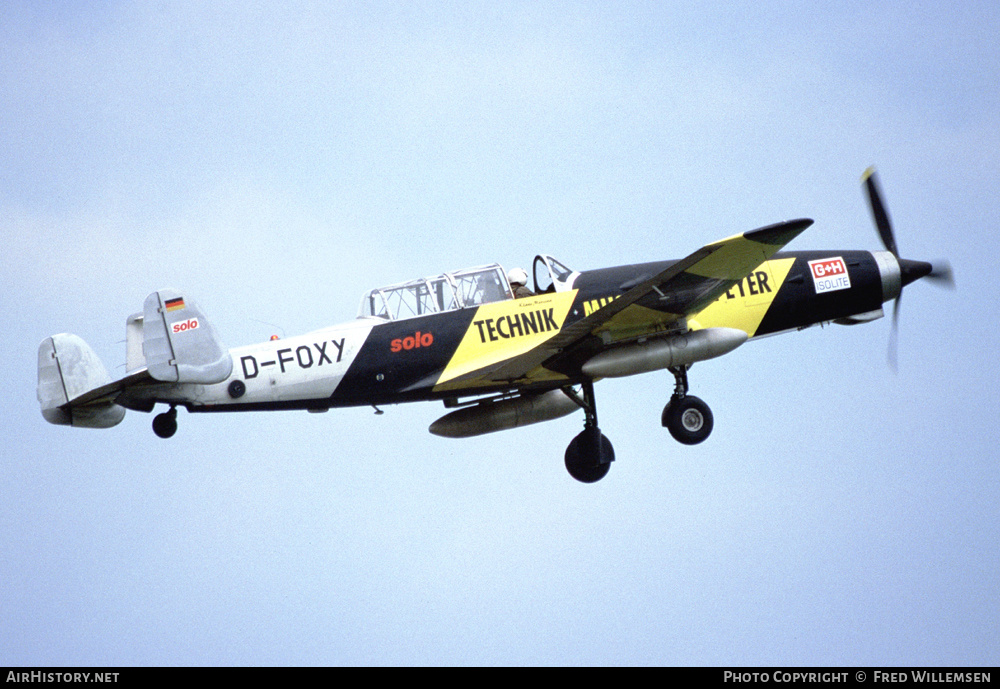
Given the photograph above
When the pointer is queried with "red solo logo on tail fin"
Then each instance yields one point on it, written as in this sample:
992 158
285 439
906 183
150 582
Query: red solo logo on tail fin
184 326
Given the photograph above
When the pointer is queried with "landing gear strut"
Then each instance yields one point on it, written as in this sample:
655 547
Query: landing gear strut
687 417
589 455
165 424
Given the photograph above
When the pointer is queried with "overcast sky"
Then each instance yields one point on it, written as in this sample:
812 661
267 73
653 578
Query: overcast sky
277 161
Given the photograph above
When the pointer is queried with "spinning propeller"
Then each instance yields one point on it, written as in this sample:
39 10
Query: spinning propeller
909 270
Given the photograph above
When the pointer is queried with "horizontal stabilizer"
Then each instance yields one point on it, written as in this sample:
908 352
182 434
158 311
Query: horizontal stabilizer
179 343
68 369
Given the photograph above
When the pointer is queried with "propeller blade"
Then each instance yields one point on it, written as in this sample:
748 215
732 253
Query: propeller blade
942 275
910 271
878 211
893 353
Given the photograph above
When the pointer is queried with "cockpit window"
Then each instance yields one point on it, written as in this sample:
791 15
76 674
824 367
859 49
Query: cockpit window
445 292
481 287
551 275
561 272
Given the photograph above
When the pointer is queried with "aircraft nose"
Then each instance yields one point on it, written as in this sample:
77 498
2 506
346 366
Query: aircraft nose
911 271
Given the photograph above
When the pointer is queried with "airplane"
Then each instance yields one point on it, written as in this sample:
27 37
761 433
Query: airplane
498 362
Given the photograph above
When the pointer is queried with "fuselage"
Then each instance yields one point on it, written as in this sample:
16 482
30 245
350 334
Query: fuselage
373 361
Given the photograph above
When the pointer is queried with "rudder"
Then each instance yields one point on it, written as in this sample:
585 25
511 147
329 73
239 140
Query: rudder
179 343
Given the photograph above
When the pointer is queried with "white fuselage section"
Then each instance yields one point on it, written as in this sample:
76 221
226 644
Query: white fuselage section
305 367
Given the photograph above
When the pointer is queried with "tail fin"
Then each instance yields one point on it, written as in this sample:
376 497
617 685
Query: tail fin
170 341
178 342
67 369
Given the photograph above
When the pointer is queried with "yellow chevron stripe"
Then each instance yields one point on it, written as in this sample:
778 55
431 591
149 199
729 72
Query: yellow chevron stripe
503 330
746 303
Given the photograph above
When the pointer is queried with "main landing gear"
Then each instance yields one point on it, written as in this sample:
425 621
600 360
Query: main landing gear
165 424
589 455
687 417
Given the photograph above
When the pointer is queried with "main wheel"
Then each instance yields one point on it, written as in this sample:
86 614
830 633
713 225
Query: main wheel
688 419
165 424
589 456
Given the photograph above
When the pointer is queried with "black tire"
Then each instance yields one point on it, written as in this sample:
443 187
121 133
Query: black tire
165 425
589 456
688 419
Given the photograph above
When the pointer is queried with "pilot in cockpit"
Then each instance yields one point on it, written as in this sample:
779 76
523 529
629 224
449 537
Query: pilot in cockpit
518 279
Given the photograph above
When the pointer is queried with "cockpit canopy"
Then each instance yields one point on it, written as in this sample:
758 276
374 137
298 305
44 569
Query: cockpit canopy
445 292
459 289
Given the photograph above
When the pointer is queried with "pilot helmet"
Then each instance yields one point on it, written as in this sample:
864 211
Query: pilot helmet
517 276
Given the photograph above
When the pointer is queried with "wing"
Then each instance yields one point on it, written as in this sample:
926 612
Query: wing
681 289
691 284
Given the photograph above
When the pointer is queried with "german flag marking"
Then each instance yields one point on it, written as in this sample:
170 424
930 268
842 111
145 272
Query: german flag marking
174 304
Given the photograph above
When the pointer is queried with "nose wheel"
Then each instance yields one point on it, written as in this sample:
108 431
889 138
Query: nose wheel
687 417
